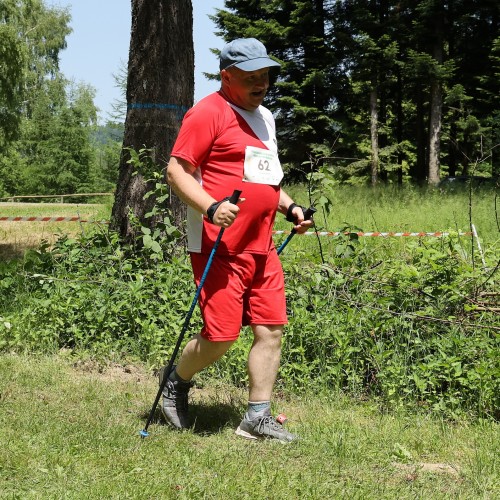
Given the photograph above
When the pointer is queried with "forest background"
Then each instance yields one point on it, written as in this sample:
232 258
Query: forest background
381 91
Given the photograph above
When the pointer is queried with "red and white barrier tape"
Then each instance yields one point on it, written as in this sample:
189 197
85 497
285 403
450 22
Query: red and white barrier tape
46 219
377 234
309 233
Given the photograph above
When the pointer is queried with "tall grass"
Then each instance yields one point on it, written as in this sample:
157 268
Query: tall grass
409 209
393 209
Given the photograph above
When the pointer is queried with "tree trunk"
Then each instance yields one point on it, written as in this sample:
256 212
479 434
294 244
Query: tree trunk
452 148
374 136
417 172
436 105
399 123
495 153
160 89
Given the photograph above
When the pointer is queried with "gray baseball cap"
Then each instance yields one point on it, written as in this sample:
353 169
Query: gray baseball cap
247 54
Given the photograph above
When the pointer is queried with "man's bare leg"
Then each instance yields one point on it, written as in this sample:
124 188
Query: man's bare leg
198 354
263 364
264 361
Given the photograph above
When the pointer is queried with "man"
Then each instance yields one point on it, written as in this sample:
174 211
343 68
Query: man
227 141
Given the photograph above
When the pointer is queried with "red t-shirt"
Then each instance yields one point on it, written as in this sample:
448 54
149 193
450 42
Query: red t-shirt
213 138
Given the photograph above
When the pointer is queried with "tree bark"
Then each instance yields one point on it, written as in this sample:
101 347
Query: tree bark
160 89
418 170
452 148
399 123
436 105
374 136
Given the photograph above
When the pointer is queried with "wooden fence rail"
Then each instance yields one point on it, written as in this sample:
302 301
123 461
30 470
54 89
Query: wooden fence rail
57 196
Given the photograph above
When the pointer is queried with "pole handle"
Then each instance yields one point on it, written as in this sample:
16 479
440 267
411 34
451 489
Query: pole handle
235 197
309 213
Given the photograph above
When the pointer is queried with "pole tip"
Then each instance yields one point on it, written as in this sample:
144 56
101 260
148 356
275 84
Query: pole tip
144 433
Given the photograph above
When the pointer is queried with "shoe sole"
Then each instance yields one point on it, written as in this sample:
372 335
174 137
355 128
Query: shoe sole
244 434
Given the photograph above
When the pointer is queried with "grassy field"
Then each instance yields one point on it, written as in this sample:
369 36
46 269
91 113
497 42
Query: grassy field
410 209
383 210
69 429
69 426
17 237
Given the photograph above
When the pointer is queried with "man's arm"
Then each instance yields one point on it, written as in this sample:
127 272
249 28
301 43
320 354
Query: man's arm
180 177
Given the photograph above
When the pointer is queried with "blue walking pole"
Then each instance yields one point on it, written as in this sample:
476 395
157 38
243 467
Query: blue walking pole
307 216
144 433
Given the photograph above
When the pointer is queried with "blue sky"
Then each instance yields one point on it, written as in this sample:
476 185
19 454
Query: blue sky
100 42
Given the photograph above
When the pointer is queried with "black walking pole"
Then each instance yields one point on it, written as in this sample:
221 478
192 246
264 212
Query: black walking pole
144 433
307 216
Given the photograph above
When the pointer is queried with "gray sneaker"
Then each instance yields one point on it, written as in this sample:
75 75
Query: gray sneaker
264 427
175 402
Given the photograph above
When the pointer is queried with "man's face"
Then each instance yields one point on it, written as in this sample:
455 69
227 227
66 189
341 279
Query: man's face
246 89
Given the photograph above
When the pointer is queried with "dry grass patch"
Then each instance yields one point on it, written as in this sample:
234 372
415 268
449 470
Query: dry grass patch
18 237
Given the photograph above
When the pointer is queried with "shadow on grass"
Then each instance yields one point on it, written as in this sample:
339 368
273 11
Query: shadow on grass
212 418
208 418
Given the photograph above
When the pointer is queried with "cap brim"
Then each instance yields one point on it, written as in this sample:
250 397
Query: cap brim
256 64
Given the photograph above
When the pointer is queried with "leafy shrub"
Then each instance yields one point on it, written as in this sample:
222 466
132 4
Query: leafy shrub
92 294
405 330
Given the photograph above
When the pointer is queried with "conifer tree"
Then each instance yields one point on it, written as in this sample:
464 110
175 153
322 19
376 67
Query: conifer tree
408 84
296 33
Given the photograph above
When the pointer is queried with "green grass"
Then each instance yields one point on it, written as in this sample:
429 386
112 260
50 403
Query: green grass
409 209
383 209
96 211
389 209
69 429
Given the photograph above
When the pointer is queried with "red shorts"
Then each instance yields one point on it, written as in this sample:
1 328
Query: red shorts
244 289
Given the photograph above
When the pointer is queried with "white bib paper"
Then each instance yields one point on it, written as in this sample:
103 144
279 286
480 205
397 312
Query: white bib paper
262 166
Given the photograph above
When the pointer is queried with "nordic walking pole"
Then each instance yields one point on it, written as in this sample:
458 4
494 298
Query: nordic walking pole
144 433
307 216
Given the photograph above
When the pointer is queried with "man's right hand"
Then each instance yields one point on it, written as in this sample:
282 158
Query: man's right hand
225 213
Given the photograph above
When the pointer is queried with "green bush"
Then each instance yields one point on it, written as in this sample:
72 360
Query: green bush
403 329
91 294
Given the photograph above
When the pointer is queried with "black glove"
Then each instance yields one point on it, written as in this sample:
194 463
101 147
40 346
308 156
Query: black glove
289 216
213 208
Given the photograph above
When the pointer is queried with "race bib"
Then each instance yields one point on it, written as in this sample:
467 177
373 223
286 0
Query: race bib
262 166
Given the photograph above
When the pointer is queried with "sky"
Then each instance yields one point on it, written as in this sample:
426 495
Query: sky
99 45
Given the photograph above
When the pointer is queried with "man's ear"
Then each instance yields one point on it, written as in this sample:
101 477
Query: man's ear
225 76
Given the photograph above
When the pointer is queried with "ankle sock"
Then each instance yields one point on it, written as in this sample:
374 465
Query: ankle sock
257 408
